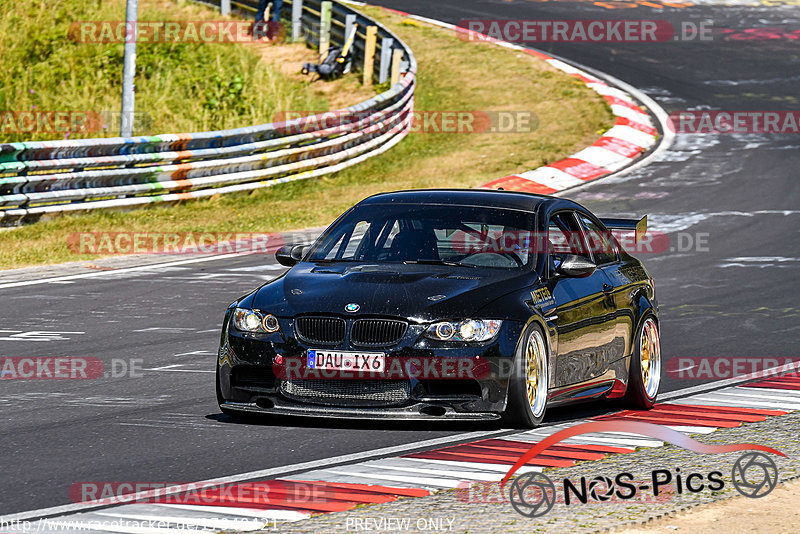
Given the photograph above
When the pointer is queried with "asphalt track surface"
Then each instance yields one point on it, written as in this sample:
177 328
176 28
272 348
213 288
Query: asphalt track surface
736 299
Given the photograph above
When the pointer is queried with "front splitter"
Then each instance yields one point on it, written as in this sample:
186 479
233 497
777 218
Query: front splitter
337 412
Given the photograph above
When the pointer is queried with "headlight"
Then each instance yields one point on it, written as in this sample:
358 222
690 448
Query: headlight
253 321
467 330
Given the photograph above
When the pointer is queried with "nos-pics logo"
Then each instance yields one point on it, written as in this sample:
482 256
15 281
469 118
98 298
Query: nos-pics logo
754 474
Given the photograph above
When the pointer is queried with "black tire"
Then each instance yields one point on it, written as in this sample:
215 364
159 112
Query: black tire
520 413
642 389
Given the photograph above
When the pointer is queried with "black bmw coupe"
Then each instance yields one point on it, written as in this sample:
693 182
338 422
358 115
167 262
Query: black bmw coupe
445 305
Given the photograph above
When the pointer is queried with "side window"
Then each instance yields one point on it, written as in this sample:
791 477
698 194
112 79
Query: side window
559 241
387 236
600 241
355 240
564 235
334 250
349 243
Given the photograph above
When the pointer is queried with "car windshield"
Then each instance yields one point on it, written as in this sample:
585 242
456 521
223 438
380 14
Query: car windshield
467 236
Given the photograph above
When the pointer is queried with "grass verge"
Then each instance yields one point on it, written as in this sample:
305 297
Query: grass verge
50 64
453 75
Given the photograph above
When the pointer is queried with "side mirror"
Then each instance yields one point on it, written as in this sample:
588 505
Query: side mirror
576 266
290 255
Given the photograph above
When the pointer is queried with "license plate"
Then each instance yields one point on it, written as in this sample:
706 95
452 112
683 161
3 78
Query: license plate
327 360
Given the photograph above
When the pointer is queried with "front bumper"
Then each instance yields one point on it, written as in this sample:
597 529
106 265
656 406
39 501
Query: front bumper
249 381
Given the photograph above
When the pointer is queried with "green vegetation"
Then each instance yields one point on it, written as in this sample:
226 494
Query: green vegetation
453 75
180 86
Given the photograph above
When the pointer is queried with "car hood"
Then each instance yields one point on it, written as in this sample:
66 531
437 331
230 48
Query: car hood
417 292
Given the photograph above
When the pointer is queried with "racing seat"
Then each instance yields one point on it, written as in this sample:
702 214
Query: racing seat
410 245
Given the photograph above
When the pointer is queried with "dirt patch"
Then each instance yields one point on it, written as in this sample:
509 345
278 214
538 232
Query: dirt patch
777 512
288 58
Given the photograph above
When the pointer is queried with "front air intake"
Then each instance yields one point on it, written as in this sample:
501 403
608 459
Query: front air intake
320 330
348 392
377 332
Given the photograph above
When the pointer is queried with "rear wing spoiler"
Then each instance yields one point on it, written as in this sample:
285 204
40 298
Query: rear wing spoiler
640 226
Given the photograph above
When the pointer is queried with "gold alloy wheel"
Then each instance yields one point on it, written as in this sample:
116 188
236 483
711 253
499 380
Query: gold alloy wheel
536 373
650 356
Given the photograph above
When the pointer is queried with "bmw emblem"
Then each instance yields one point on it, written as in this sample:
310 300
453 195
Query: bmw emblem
352 307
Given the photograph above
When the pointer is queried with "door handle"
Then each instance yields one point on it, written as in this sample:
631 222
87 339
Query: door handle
608 288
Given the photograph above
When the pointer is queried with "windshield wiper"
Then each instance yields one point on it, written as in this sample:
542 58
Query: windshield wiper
437 262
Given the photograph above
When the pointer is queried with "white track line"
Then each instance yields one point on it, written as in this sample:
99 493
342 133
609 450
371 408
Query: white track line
601 438
365 478
497 468
100 274
426 481
260 474
727 402
746 402
793 394
399 465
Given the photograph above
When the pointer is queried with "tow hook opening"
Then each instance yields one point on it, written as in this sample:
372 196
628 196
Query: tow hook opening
436 411
265 403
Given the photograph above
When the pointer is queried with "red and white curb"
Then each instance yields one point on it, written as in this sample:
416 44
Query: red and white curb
252 506
632 135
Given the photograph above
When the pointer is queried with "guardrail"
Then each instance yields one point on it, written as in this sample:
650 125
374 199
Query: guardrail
41 177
